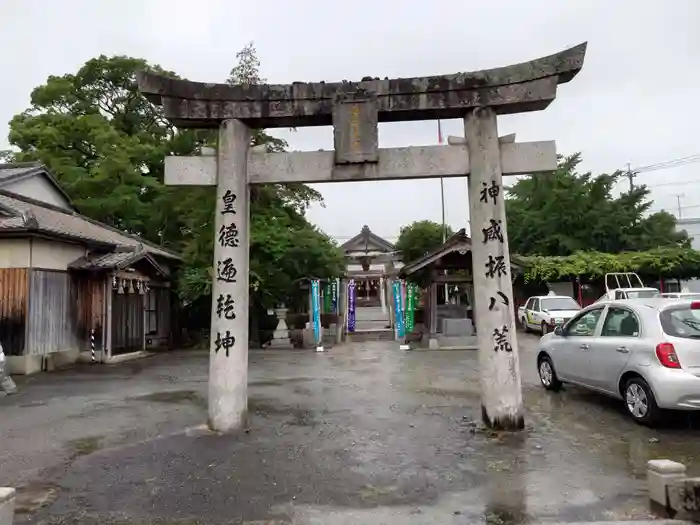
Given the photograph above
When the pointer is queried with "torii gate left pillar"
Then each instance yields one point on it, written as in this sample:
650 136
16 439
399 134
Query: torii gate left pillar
354 110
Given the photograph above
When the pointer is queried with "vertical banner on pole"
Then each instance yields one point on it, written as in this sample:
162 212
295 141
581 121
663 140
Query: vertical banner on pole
410 307
327 299
334 296
316 305
398 308
351 305
382 293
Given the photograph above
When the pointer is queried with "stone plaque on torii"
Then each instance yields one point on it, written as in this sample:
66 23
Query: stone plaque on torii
354 109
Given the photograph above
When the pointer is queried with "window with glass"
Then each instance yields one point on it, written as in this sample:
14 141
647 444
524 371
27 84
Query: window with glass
620 322
642 294
559 304
585 324
152 311
681 321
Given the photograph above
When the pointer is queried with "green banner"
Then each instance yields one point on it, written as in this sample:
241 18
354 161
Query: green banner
327 299
410 306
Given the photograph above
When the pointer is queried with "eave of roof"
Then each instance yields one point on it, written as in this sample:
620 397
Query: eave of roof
29 225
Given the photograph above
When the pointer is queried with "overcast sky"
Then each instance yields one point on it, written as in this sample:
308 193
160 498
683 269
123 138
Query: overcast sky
634 101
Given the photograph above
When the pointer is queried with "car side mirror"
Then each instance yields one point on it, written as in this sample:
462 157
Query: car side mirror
559 331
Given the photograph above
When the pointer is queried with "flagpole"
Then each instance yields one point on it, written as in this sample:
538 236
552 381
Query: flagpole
442 201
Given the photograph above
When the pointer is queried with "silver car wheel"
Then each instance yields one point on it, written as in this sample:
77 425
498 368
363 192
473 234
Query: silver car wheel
546 373
637 402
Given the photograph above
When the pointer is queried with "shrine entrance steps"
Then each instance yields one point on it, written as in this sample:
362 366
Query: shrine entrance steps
371 325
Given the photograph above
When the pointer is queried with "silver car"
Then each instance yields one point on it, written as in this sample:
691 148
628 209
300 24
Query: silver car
643 351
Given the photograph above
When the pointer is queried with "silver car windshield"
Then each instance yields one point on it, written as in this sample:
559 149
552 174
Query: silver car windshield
681 321
559 303
642 294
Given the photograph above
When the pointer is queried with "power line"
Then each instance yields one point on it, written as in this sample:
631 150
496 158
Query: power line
631 174
679 183
673 163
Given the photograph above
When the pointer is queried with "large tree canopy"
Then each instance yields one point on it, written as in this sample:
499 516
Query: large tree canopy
564 212
420 238
106 145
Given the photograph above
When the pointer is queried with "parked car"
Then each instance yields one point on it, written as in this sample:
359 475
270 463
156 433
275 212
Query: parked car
544 312
643 351
680 295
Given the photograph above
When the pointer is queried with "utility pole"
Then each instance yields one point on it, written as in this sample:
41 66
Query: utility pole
678 198
630 175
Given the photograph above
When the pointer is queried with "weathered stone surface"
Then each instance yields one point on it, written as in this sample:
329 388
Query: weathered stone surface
661 473
355 128
528 86
393 163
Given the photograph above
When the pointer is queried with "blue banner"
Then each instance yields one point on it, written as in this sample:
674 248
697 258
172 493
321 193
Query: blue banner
334 296
398 310
351 305
316 305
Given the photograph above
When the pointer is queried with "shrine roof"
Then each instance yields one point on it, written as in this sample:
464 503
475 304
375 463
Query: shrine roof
460 243
367 241
120 259
528 86
20 215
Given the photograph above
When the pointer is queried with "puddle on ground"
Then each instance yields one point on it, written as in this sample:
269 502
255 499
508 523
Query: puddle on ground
300 416
172 396
449 392
497 514
33 404
84 446
280 381
33 496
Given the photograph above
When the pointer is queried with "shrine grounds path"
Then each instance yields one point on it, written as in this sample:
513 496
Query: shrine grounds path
362 434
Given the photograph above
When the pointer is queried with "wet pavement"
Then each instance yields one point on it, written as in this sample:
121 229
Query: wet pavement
363 433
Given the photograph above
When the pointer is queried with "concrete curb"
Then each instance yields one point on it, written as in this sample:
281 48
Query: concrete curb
7 505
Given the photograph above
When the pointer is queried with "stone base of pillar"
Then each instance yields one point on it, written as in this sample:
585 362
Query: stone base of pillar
661 474
7 505
433 343
280 342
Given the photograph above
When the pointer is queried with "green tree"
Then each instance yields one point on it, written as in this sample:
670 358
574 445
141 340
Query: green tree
566 211
106 144
419 238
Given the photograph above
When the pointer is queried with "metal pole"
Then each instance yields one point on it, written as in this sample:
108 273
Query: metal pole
92 345
444 227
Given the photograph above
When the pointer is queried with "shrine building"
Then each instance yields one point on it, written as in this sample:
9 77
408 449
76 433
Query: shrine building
370 260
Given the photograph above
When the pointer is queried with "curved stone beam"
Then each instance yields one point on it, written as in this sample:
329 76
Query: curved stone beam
528 86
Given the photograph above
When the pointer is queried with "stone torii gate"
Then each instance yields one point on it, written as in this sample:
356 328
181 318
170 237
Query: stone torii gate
354 109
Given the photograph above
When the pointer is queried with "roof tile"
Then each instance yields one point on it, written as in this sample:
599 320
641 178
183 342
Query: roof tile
58 221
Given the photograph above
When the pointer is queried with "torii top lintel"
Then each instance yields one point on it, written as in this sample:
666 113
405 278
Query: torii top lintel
517 88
